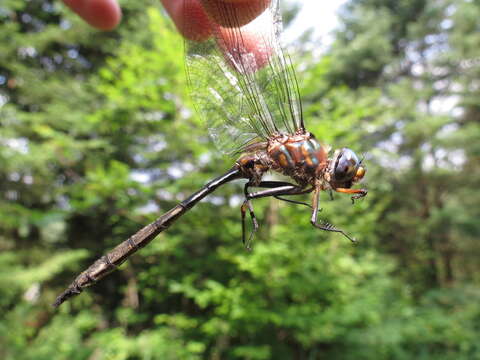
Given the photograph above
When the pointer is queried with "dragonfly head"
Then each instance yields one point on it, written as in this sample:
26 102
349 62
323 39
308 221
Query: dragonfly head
345 169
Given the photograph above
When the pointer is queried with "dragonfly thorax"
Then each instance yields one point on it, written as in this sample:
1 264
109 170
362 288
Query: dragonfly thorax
299 156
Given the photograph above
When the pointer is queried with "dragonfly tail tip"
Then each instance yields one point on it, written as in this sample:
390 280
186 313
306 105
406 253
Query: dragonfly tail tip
71 291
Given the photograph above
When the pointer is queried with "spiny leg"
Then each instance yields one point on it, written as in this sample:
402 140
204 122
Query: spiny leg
275 189
293 201
325 226
305 191
330 193
243 209
357 193
278 189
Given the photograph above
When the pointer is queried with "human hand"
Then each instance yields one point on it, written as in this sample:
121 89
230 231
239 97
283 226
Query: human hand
198 20
106 14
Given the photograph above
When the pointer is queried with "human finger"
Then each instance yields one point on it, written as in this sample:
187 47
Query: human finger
190 18
239 12
195 19
101 14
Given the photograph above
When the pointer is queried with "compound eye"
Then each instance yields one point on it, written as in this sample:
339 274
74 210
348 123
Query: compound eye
346 166
360 173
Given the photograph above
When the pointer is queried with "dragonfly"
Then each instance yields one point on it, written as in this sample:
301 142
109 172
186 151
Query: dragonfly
244 85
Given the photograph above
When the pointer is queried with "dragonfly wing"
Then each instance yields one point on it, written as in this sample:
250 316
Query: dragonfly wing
241 80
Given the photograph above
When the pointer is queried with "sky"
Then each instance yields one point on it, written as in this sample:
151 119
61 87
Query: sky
319 15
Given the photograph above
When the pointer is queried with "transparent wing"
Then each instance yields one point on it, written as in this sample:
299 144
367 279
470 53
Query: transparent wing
241 80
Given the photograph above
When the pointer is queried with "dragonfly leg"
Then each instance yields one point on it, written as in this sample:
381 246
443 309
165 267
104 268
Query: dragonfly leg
247 204
325 226
273 188
330 193
356 193
293 201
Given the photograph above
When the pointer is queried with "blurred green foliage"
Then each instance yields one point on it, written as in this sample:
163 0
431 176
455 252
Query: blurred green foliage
98 137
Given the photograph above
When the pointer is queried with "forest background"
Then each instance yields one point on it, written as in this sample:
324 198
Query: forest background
98 137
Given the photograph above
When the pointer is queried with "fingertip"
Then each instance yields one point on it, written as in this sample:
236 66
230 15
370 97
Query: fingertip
189 18
239 12
101 14
169 5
